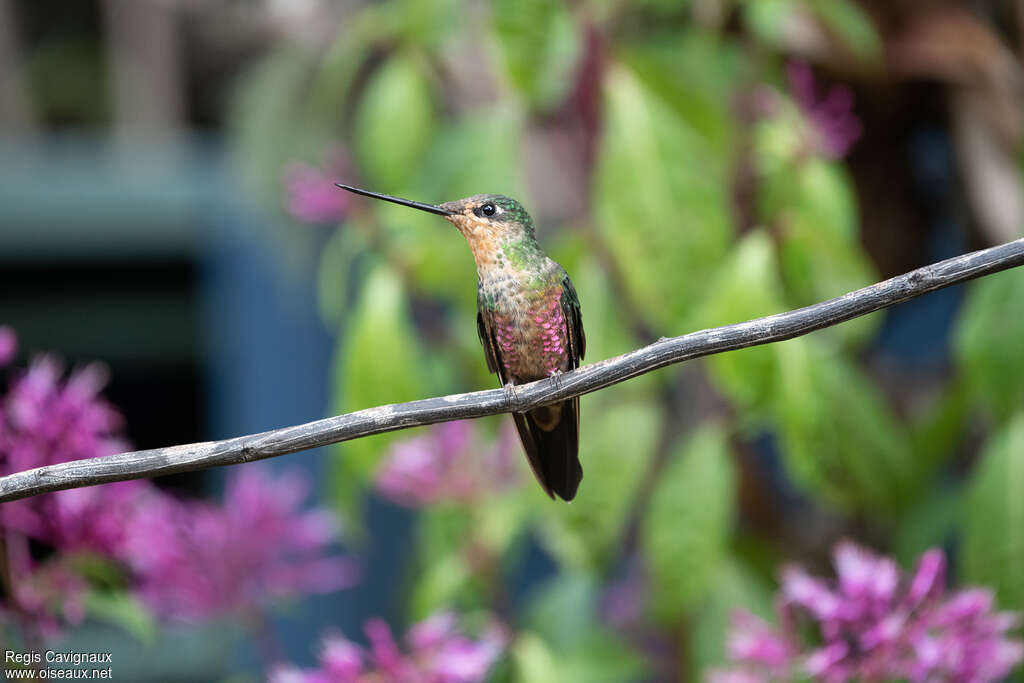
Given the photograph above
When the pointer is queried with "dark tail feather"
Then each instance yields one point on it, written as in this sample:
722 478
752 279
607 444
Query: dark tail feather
551 436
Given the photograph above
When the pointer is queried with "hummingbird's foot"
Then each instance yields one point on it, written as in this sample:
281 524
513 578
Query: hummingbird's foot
511 395
556 375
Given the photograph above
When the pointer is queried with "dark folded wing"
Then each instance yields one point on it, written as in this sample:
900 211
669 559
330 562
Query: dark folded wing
573 323
485 328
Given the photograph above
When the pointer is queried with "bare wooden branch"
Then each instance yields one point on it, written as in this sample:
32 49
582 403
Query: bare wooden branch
774 328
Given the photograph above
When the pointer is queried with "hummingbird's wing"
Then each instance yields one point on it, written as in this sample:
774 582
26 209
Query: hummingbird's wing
485 328
573 323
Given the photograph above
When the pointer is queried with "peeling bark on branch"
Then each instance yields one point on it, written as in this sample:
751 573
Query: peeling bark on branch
666 351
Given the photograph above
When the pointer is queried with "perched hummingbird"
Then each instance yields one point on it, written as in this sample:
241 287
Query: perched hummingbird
528 319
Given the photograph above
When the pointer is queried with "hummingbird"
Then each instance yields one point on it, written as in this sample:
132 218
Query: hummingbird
529 323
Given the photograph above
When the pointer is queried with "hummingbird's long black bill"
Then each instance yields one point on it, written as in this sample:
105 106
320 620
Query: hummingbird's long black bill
430 208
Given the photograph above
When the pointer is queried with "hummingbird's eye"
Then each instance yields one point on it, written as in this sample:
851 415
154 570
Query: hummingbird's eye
488 209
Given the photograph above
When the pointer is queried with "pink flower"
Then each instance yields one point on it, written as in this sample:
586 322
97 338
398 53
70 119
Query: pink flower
436 652
835 126
310 194
874 623
755 641
448 463
341 659
198 559
735 676
46 420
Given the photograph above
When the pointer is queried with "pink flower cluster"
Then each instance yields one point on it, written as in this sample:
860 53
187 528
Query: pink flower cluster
196 559
45 420
831 117
876 624
185 559
450 463
310 194
437 653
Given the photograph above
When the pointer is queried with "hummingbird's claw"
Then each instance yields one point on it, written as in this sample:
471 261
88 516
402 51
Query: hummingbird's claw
511 395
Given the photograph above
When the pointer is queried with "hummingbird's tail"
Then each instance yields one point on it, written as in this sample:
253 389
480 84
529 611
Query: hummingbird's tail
551 436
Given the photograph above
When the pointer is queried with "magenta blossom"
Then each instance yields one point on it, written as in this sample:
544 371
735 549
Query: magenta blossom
46 420
310 194
833 122
875 623
437 653
448 463
197 559
187 559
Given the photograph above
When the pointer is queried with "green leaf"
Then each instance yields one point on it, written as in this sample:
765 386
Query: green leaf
993 532
437 255
533 660
746 286
839 439
767 19
695 75
395 123
123 610
443 529
449 535
562 609
563 613
824 197
429 22
852 25
771 22
539 46
481 153
263 121
814 191
442 575
689 522
938 429
379 363
499 522
441 583
987 342
335 273
929 522
779 149
617 440
660 200
328 91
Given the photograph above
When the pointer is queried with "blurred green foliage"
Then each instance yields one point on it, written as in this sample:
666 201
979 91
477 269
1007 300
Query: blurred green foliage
436 101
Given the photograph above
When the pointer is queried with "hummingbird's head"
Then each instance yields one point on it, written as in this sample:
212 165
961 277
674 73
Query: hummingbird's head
489 218
484 219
